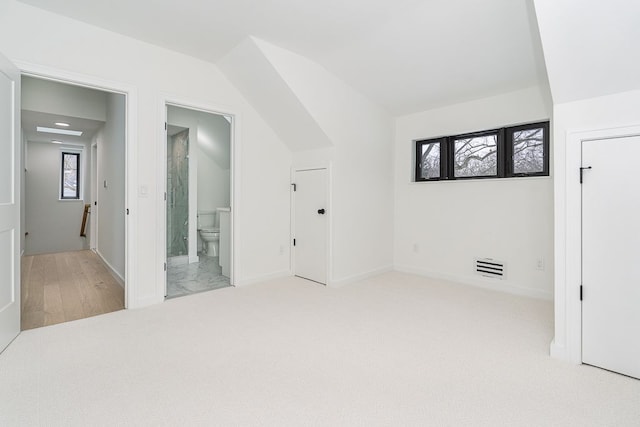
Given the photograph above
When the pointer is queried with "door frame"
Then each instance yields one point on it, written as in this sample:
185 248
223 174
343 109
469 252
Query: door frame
329 226
167 99
131 130
93 197
567 343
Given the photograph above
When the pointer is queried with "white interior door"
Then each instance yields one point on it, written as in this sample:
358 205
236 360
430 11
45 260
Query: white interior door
311 224
611 255
9 202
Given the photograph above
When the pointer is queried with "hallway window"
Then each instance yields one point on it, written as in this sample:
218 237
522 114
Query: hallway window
70 185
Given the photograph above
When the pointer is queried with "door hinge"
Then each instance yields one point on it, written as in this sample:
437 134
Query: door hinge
294 242
580 292
127 211
582 170
165 196
294 187
165 125
165 266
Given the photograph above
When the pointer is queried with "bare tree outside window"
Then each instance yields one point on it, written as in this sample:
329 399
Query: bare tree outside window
508 152
70 174
528 151
476 156
430 163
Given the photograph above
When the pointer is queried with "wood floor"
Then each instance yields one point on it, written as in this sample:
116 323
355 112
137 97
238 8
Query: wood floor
66 286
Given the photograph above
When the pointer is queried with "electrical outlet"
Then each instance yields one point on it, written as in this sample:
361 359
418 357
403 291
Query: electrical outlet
540 264
281 249
416 248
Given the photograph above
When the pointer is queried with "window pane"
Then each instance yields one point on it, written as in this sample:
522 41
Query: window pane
70 176
528 151
476 156
430 162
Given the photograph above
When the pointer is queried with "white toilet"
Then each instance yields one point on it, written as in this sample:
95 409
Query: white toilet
209 230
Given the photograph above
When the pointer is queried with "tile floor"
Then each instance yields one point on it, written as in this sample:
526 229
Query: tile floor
205 275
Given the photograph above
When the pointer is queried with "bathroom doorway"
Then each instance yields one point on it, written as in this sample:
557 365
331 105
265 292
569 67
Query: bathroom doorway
197 201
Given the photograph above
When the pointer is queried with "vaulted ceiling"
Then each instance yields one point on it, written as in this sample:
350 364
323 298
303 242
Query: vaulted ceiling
405 55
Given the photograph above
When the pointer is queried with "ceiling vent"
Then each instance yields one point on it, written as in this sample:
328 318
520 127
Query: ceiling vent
489 267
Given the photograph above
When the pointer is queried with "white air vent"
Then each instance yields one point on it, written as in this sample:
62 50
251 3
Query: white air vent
489 267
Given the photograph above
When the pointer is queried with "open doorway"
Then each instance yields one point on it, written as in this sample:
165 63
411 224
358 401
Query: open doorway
198 177
74 192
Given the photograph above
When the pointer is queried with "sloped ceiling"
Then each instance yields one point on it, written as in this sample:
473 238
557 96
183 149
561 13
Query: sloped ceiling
251 72
405 55
590 47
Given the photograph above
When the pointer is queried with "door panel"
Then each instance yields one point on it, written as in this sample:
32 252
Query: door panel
310 250
9 202
610 255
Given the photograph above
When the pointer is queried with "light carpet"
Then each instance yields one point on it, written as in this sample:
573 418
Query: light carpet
396 349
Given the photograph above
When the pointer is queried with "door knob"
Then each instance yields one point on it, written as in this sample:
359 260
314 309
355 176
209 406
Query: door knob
321 211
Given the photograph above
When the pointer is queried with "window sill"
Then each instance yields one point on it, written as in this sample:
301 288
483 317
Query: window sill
484 180
70 200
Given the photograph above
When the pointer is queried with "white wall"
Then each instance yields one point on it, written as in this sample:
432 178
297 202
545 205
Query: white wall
66 100
441 227
570 120
361 163
53 224
262 217
214 179
111 199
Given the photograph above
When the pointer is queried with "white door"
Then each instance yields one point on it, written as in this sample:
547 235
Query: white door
611 255
9 202
311 225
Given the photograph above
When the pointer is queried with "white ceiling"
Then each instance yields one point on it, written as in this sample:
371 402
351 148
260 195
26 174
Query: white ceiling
406 55
591 53
32 119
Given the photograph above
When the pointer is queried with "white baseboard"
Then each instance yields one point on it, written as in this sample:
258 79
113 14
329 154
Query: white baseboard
480 282
558 351
337 283
112 270
146 302
263 278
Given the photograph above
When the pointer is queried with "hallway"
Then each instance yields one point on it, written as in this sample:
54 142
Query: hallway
66 286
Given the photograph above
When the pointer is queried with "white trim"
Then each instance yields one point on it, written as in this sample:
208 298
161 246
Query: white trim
567 343
479 282
263 278
112 270
161 169
329 231
337 283
131 300
93 196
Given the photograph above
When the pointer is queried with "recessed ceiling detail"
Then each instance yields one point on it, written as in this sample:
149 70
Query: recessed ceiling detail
59 131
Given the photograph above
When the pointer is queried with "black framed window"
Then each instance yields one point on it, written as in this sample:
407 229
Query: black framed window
475 155
70 183
429 156
529 149
514 151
